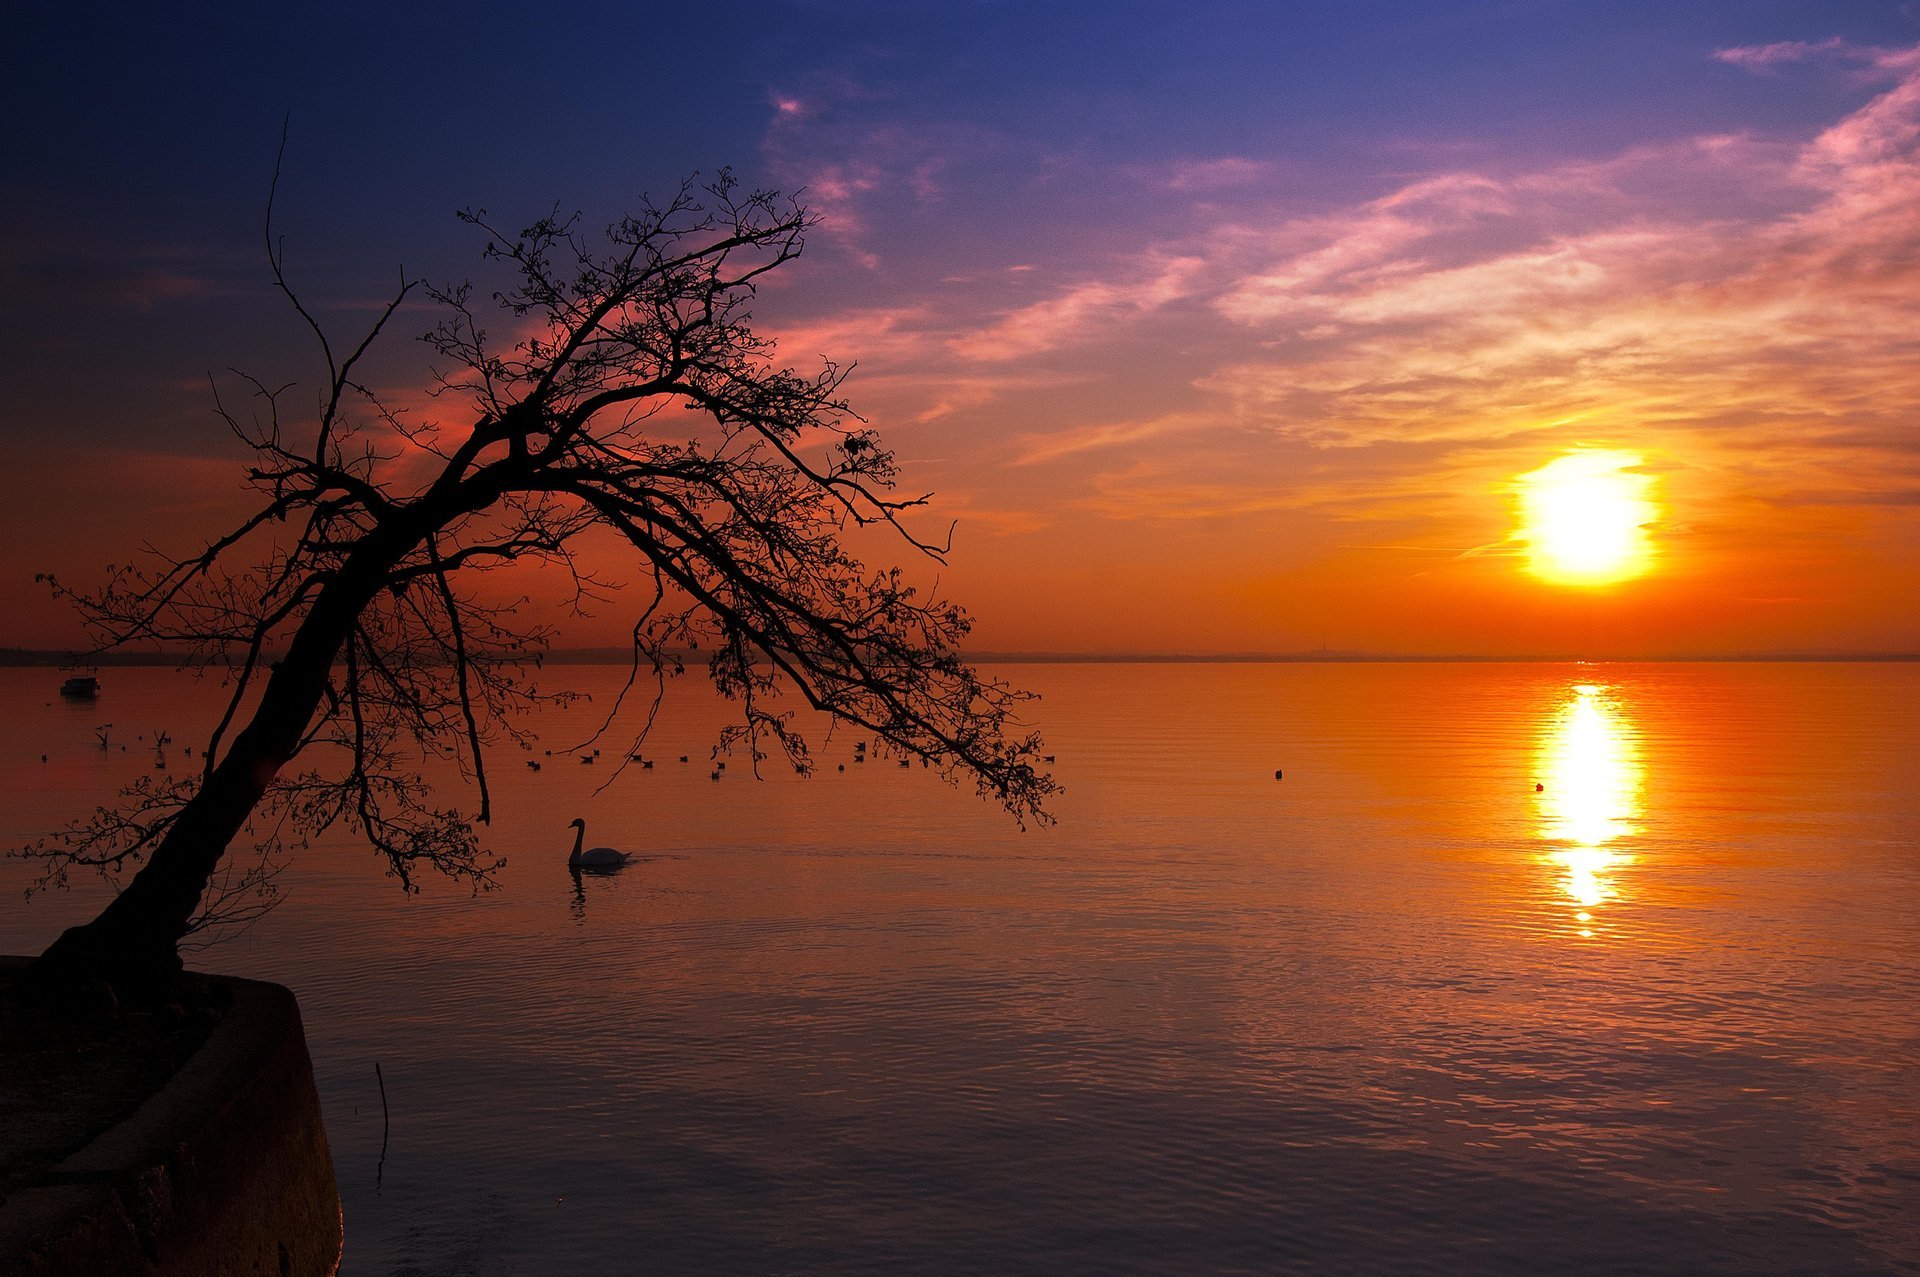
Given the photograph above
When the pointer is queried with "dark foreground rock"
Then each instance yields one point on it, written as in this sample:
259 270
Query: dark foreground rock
166 1141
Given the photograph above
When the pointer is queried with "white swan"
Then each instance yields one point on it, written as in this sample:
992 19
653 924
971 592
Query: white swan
593 857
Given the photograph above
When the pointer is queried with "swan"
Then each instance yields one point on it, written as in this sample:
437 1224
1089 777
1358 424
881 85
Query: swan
593 857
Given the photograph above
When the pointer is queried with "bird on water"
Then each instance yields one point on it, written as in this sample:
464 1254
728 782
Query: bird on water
593 857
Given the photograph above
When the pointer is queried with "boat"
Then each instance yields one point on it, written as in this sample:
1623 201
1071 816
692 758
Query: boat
82 688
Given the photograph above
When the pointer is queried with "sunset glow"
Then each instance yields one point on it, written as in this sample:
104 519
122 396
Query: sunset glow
1435 377
1584 518
1190 636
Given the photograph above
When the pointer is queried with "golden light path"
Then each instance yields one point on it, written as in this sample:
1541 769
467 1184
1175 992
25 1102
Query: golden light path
1589 764
1584 517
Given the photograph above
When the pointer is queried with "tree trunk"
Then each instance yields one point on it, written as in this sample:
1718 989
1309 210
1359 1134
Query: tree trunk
134 942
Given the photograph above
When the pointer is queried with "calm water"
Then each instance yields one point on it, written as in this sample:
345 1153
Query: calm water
1397 1012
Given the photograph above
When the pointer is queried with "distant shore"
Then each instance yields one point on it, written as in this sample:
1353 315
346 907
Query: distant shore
48 658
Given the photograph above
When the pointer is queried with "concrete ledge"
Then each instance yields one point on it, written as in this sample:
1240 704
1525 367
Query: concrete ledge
222 1171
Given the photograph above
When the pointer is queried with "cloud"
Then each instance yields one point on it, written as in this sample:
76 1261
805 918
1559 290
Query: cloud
1765 57
836 194
970 516
1054 445
881 336
1080 312
1491 305
1743 303
1213 175
1151 492
859 177
59 280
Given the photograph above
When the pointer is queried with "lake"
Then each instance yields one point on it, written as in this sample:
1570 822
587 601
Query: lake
1519 968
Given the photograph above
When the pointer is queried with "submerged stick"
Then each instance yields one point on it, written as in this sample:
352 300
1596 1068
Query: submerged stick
386 1126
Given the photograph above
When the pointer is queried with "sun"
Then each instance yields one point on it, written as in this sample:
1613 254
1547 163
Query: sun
1584 518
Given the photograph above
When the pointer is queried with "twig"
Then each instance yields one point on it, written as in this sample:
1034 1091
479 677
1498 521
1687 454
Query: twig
386 1125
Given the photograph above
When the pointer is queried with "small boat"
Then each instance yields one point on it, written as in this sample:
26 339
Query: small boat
83 688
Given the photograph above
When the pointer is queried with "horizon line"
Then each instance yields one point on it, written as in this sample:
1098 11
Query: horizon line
57 658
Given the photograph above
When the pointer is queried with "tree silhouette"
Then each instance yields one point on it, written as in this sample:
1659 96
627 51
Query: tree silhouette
342 612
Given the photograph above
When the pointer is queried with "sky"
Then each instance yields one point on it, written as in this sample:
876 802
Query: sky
1213 328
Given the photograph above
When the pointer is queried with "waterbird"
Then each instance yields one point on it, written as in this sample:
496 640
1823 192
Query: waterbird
593 857
1538 788
586 758
533 764
1276 773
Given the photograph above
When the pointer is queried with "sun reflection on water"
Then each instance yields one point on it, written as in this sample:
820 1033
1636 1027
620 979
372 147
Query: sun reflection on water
1589 795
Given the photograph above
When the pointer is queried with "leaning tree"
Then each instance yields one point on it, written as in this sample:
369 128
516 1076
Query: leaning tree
343 614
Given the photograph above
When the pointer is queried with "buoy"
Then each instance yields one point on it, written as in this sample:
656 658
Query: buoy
1538 788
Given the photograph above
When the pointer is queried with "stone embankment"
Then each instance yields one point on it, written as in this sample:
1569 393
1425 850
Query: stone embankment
222 1170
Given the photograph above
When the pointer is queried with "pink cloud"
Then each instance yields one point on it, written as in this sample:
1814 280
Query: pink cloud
1215 174
881 336
1746 304
1080 312
1410 319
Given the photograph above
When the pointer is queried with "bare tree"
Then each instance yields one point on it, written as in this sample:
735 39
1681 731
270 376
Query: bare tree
342 613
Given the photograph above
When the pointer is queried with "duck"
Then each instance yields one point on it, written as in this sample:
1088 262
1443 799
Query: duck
593 857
